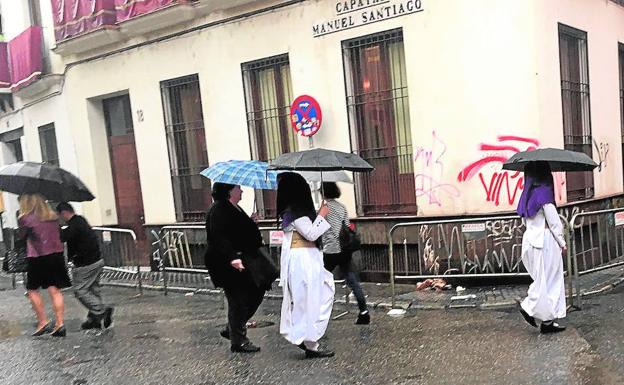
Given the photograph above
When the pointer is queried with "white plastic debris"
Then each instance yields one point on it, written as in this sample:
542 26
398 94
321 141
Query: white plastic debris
460 289
463 297
189 294
396 312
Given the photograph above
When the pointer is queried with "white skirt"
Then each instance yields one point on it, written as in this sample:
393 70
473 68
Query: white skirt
545 299
308 296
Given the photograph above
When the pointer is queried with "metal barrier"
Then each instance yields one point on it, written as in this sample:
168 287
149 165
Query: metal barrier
120 251
597 237
175 252
459 248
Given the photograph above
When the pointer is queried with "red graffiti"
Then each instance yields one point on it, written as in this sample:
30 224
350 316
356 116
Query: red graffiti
499 183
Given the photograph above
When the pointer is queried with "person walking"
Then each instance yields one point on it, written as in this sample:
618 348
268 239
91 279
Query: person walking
46 269
333 255
83 250
542 245
233 235
308 289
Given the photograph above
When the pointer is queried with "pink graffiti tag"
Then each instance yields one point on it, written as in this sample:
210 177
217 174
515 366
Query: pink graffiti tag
499 181
428 182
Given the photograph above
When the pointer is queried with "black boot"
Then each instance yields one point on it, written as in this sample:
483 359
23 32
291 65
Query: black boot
530 320
363 318
108 317
92 322
247 347
320 353
225 333
551 327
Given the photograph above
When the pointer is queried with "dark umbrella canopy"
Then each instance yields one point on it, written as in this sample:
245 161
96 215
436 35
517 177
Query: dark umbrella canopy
51 181
559 160
319 159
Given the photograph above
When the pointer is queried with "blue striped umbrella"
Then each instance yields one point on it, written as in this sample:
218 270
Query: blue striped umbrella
250 173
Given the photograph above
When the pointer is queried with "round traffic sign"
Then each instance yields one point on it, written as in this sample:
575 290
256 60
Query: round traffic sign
306 115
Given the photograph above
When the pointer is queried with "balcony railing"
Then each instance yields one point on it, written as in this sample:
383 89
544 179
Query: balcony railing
25 59
5 73
76 17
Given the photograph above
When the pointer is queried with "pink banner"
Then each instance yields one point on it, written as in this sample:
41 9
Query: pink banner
25 57
127 9
75 17
5 74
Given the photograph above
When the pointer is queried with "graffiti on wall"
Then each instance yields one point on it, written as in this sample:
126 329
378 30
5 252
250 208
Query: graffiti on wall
501 186
602 149
429 162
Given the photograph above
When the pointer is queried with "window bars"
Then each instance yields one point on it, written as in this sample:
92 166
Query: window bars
186 143
47 141
576 108
379 121
268 95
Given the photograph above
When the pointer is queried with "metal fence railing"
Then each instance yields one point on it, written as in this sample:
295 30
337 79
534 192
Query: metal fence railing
120 252
484 247
597 243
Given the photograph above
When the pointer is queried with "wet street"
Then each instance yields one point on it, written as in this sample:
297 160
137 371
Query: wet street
175 340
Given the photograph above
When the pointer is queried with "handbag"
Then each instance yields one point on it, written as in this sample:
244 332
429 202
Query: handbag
349 239
261 268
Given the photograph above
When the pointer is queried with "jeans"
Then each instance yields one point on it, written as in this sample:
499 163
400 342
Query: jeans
343 260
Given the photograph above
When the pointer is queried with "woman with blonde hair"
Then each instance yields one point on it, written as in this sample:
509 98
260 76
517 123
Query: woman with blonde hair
38 225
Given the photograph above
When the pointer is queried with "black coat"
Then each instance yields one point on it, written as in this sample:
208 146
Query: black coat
231 234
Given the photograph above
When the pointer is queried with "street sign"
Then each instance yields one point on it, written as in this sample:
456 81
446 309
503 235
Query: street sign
106 236
276 238
305 115
619 218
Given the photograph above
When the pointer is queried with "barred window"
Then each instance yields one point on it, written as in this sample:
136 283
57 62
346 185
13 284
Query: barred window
268 95
379 120
186 143
575 102
47 140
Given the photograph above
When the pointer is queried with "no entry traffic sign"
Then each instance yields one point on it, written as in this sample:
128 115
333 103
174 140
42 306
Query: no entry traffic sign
306 115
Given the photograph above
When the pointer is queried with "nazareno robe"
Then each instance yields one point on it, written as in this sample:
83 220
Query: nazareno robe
308 288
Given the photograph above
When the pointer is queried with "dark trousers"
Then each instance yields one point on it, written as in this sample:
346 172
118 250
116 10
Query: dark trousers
343 260
243 301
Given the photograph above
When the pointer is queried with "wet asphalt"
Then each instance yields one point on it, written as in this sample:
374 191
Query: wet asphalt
174 340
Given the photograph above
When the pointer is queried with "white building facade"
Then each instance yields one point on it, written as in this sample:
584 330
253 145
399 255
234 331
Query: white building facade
143 95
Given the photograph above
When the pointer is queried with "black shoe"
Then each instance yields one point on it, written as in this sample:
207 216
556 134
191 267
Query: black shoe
108 317
363 318
59 332
551 327
225 333
45 329
318 353
247 347
302 346
530 320
91 323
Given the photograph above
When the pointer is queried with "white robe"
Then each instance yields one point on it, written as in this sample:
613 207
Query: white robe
541 255
308 288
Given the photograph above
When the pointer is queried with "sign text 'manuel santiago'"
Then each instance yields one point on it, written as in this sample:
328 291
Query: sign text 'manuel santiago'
355 13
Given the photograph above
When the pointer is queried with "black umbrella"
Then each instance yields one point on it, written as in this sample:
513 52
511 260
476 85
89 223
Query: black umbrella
51 181
559 160
320 159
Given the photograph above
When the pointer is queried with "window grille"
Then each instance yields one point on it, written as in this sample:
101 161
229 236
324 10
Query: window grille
379 121
186 143
268 95
576 108
47 140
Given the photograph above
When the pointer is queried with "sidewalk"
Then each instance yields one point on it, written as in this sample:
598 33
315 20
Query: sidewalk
379 294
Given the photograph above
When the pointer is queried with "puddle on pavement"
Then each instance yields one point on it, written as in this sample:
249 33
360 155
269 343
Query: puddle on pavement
9 329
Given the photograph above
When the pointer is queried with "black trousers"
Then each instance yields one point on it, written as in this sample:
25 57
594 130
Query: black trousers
243 301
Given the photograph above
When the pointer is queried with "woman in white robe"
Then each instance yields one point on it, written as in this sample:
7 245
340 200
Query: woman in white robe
308 289
542 245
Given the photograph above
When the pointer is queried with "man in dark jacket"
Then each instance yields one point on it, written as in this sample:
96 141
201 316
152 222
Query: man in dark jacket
84 251
232 237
